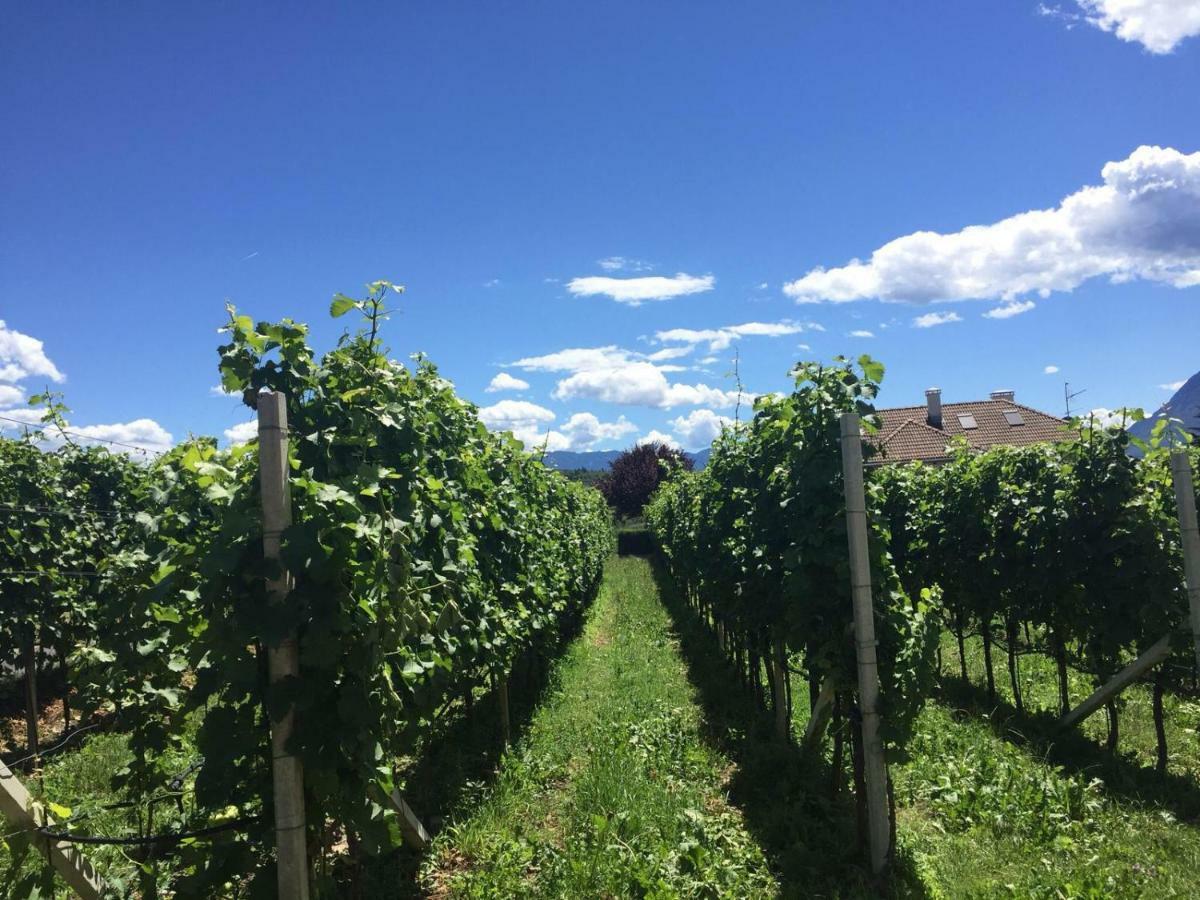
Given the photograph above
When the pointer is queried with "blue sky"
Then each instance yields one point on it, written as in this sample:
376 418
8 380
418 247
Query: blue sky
498 159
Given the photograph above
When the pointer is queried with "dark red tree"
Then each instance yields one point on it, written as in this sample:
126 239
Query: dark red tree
634 475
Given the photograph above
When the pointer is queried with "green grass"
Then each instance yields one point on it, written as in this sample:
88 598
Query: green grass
612 790
996 802
77 784
642 768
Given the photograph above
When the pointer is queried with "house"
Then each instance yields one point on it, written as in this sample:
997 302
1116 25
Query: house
909 433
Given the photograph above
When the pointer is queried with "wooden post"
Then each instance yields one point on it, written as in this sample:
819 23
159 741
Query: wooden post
283 661
874 765
29 660
1185 498
1159 651
783 725
411 829
822 711
26 813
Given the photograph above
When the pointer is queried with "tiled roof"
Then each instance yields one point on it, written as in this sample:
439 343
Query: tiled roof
905 434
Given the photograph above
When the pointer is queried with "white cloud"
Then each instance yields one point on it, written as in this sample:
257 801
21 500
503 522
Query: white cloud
617 263
119 437
669 353
930 320
1143 222
636 291
640 384
614 375
144 433
22 414
1050 370
11 396
1008 310
721 338
1105 417
509 413
1173 385
22 356
657 437
709 360
576 359
242 432
505 382
1158 25
527 422
584 430
492 282
218 390
861 333
700 427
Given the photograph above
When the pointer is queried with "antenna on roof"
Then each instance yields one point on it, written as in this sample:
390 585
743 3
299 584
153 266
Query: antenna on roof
1068 396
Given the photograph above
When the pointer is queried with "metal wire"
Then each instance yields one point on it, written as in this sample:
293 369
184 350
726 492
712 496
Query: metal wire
86 437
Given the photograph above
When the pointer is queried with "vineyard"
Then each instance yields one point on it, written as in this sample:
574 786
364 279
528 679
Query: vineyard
428 559
1069 552
267 654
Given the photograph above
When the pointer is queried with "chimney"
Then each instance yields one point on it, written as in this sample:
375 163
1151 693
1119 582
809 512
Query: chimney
1003 395
933 402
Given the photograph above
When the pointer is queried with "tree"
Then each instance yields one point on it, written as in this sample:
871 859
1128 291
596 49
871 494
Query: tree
634 475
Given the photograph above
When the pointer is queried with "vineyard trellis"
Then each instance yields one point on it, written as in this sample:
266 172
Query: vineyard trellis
757 541
426 557
1070 548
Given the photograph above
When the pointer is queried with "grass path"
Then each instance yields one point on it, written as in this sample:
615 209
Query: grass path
613 789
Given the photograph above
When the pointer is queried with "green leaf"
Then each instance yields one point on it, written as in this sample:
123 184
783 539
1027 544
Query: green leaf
341 305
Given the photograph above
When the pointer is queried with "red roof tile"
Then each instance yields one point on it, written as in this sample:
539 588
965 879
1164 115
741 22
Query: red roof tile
905 433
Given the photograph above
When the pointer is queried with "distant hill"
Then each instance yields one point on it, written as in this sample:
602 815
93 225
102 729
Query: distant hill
1184 405
598 460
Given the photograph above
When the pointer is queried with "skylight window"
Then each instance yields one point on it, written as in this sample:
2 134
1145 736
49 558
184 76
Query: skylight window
967 421
1013 417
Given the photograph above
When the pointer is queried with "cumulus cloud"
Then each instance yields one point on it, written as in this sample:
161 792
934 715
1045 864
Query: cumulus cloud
146 434
506 414
640 384
528 424
120 437
615 375
11 396
1105 417
1142 222
1008 310
242 433
657 437
1158 25
576 359
505 382
700 427
584 430
862 333
1050 370
1172 385
22 356
721 338
933 319
636 291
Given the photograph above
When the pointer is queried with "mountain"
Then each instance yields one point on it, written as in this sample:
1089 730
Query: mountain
596 460
1184 405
